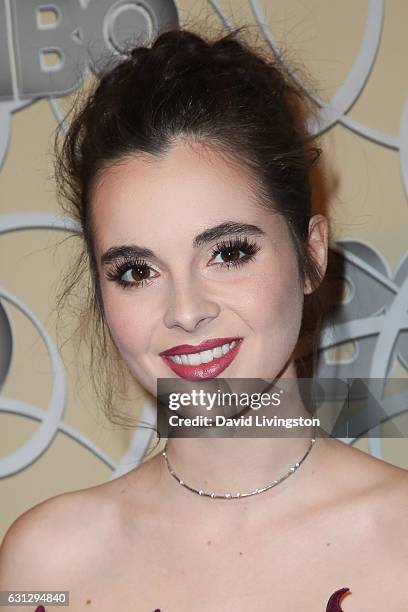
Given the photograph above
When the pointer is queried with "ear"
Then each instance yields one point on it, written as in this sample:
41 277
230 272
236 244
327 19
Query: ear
318 246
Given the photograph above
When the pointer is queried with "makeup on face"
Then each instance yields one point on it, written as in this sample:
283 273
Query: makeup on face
204 361
122 259
193 261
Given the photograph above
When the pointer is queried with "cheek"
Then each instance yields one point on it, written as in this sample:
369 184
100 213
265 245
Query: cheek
127 322
273 301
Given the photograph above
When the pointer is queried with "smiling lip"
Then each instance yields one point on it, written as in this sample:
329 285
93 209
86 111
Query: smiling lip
187 349
204 370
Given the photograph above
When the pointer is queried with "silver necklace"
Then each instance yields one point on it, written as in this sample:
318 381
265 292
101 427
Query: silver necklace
291 471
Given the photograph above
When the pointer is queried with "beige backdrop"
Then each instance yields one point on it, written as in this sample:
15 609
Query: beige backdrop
368 205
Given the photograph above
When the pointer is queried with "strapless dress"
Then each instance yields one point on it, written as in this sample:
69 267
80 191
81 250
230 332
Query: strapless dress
333 605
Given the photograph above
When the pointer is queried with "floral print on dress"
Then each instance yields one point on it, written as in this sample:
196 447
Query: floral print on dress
333 605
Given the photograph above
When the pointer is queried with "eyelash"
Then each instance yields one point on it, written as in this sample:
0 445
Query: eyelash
250 249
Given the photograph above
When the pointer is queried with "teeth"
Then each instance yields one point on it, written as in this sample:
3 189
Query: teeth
217 351
203 356
206 356
194 359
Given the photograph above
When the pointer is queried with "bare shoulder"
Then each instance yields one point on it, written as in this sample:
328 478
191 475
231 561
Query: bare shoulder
375 494
360 472
365 461
42 541
53 543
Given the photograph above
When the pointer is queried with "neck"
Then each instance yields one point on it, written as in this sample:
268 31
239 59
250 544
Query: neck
241 464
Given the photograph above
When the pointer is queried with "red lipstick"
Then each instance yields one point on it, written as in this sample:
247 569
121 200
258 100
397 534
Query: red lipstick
204 370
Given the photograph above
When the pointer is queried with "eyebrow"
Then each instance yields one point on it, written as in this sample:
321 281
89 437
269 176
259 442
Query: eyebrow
212 233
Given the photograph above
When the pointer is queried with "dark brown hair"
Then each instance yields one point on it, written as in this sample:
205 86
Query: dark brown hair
223 93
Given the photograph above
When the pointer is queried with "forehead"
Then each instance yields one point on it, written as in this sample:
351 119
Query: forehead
183 192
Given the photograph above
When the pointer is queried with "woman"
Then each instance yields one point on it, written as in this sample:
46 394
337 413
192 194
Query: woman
189 170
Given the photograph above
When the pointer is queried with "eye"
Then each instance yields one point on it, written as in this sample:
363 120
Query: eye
131 273
137 273
234 252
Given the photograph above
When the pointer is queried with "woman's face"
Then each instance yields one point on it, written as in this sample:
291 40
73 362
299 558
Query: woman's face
201 261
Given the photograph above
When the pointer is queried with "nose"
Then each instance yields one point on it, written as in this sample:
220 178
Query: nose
189 306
